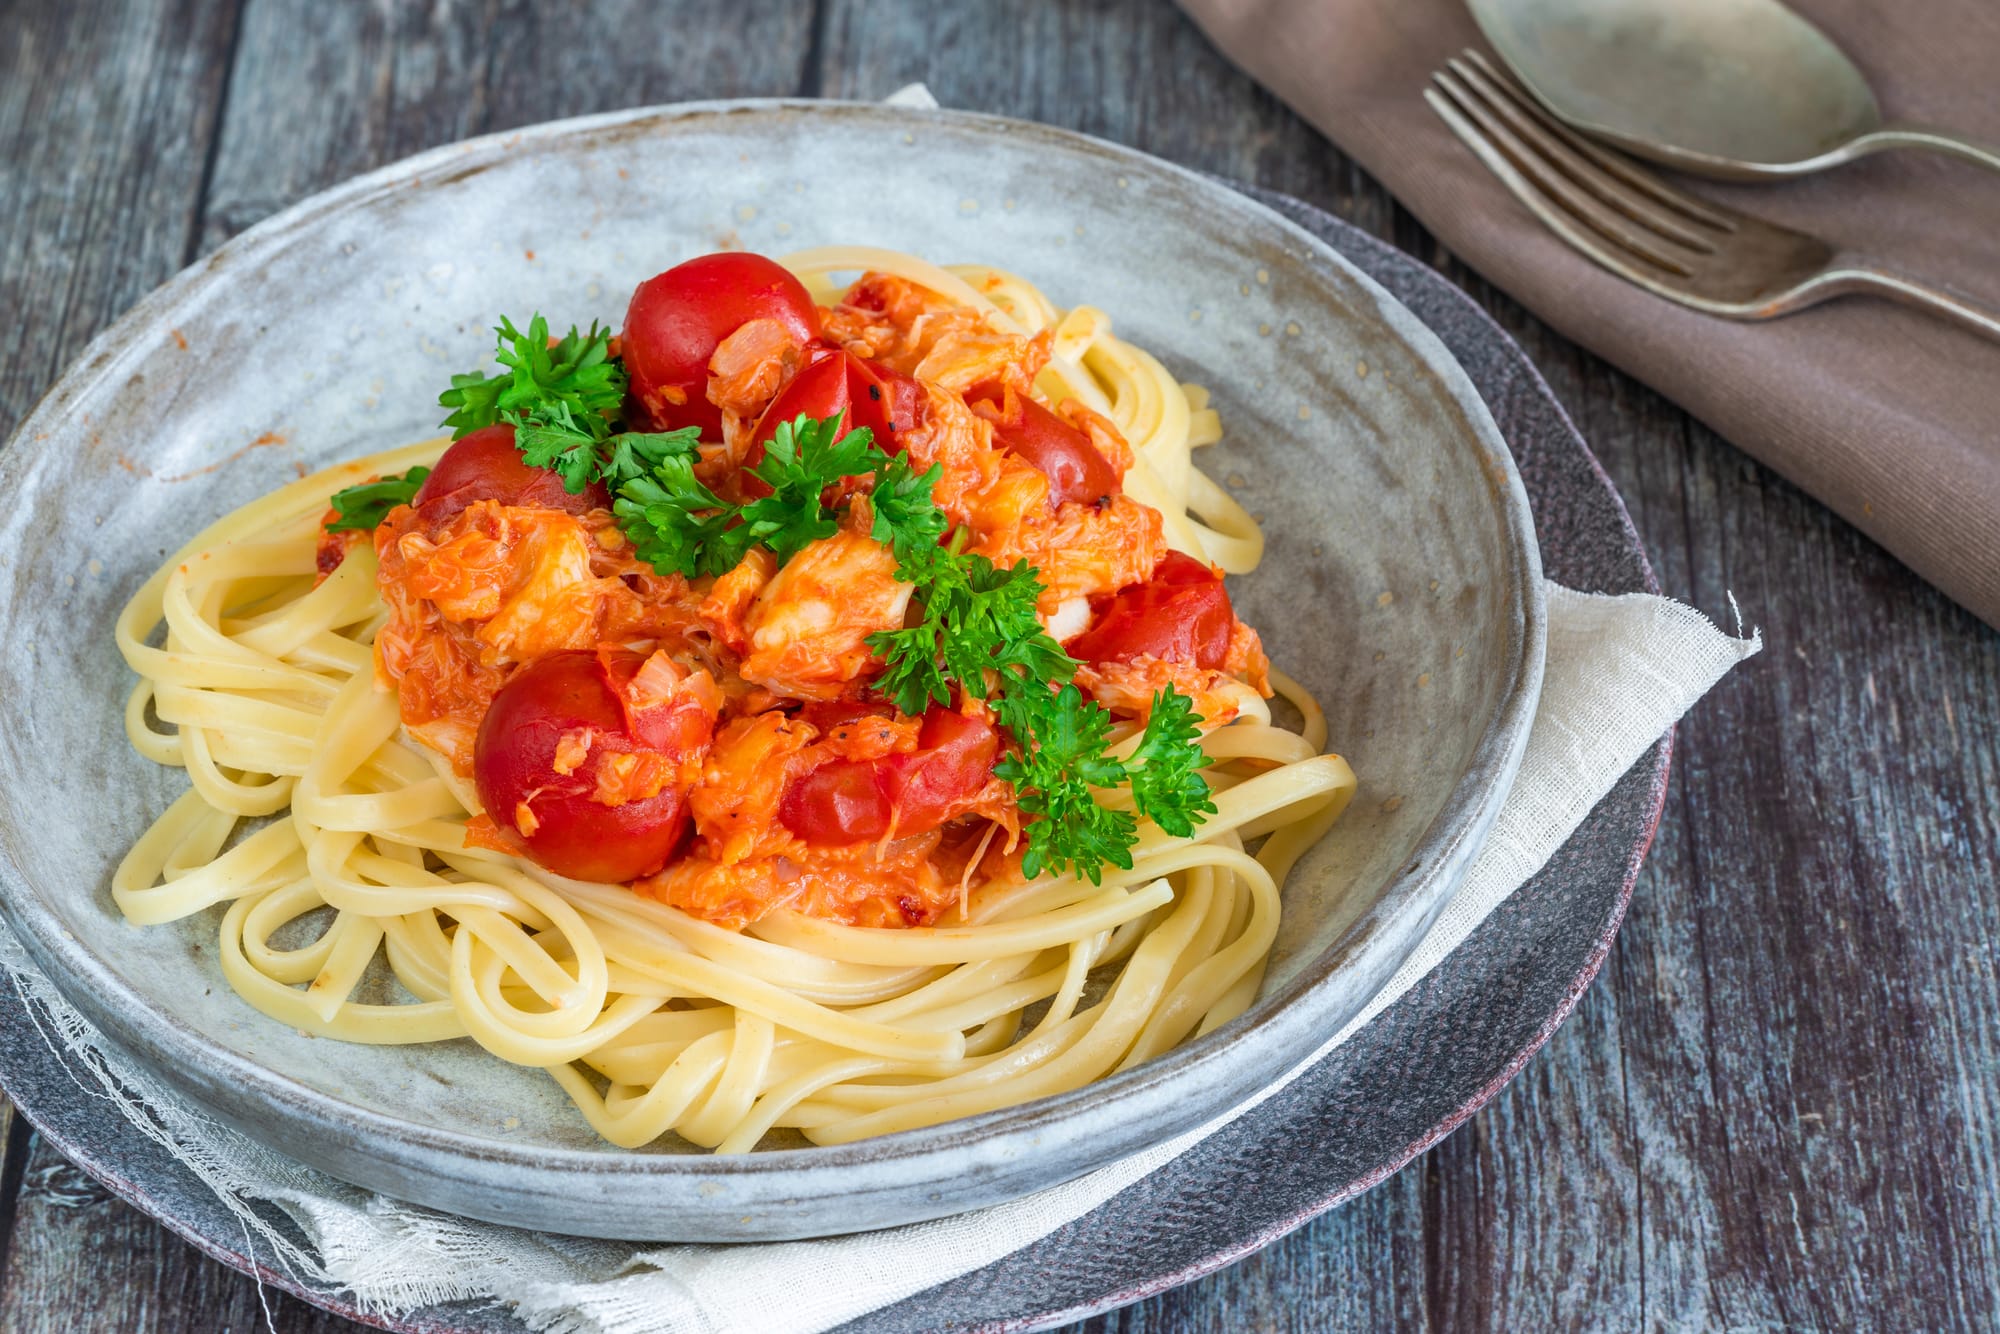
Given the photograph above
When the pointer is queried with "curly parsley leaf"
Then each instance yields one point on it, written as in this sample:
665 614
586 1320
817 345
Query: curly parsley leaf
1063 760
990 623
806 455
802 459
636 453
978 627
907 519
365 506
1062 739
575 373
1164 771
913 676
552 438
671 518
976 618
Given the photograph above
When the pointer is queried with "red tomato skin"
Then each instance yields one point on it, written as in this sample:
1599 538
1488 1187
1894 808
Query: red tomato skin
1182 614
886 400
859 801
1177 569
1063 454
514 761
677 728
676 319
841 803
485 465
837 382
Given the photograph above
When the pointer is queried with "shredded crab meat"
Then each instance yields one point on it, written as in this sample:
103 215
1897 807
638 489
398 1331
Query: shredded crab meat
809 626
777 655
1128 688
571 750
752 366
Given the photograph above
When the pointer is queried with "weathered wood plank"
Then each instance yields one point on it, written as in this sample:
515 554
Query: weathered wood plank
324 92
83 1260
106 111
1778 1109
1756 1011
1817 1015
13 1149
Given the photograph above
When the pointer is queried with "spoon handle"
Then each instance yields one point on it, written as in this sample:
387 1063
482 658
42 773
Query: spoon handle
1908 134
1856 273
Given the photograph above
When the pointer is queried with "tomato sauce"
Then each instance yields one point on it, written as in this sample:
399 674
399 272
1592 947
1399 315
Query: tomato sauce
784 781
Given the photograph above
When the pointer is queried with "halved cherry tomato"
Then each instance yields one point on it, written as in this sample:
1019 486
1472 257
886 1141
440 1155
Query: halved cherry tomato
833 381
1076 471
1182 614
582 695
859 801
486 466
676 318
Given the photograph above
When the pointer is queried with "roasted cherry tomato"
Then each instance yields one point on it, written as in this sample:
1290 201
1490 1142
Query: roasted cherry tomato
1182 614
836 382
859 801
1076 471
486 466
676 318
521 752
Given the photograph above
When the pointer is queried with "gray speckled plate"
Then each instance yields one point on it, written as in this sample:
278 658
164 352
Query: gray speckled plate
1401 585
1420 1069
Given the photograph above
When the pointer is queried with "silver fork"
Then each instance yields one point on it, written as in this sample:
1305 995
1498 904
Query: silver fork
1630 221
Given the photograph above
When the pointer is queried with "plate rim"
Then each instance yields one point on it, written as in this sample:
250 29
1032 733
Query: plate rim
1657 760
1446 845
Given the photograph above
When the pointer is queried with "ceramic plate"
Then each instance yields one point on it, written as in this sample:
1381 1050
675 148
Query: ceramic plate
1420 1069
1401 585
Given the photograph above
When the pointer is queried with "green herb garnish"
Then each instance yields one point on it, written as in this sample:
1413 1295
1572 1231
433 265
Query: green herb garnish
976 628
573 382
365 506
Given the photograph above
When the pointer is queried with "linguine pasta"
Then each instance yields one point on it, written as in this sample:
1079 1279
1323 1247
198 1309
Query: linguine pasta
355 909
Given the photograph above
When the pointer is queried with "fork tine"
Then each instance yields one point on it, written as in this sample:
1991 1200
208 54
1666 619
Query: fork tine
1617 164
1557 220
1557 194
1562 155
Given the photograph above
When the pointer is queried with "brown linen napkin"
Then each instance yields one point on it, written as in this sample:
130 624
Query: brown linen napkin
1889 415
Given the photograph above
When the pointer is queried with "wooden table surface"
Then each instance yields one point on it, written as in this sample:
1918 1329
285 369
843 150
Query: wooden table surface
1778 1108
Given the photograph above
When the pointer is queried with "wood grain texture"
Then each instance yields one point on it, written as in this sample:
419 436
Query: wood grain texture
320 93
106 113
83 1260
13 1156
1777 1110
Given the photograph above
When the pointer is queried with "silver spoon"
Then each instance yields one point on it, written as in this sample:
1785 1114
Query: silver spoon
1736 89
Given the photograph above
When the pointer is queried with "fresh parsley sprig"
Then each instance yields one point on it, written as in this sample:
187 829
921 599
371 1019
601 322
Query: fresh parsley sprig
365 506
563 398
572 381
1063 759
977 618
676 524
1167 786
801 461
977 629
551 437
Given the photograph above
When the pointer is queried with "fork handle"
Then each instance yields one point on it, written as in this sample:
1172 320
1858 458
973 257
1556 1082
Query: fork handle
1855 273
1909 134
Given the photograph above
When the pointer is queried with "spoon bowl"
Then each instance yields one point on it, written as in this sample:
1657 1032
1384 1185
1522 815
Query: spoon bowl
1733 89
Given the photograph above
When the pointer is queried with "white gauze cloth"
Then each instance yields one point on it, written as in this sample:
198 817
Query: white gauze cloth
1621 670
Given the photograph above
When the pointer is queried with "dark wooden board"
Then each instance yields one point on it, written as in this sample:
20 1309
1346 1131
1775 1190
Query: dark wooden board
1777 1110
